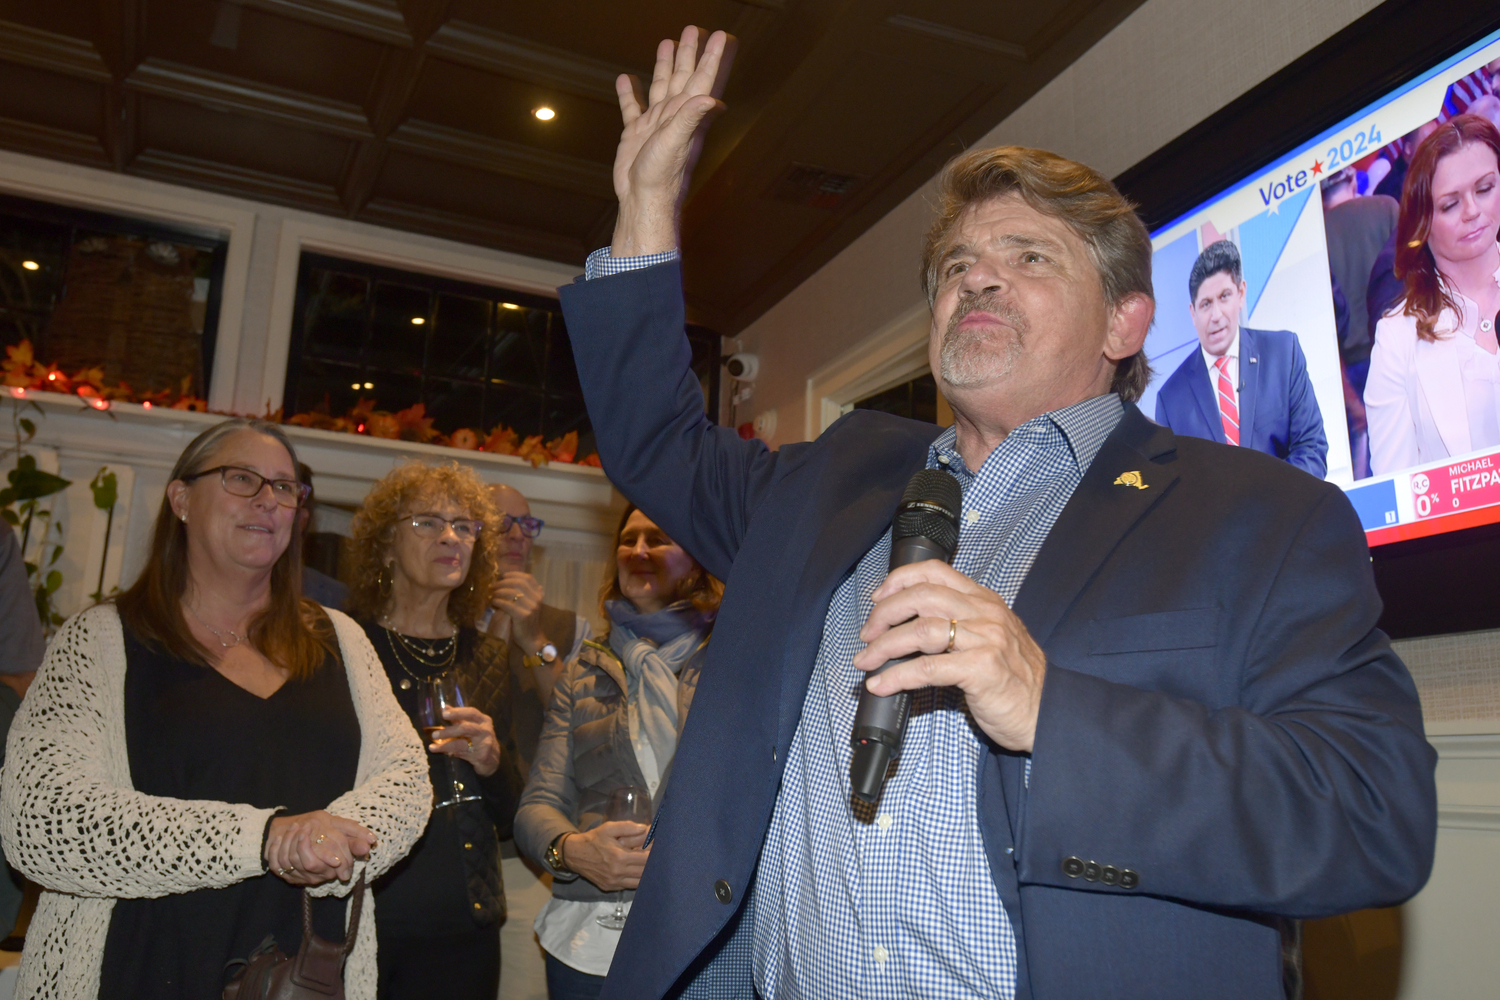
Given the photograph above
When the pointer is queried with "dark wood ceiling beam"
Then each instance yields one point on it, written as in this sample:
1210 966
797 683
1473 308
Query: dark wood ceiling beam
52 143
470 229
121 43
222 92
957 36
242 182
423 17
45 50
377 20
512 159
522 59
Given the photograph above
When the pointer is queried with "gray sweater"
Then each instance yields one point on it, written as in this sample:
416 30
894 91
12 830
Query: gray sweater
584 754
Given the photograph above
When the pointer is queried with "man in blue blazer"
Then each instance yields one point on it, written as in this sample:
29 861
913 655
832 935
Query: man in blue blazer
1242 386
1153 721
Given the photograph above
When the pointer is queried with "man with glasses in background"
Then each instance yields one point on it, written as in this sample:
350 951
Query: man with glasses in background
541 639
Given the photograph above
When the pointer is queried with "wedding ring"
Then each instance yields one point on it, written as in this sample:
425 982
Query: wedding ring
469 742
515 597
952 634
283 871
320 838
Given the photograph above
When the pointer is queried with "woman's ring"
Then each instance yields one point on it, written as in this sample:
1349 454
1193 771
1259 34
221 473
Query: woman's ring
952 634
469 742
283 872
515 597
320 838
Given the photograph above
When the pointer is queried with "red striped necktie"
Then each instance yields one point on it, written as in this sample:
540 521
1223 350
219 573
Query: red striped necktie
1229 410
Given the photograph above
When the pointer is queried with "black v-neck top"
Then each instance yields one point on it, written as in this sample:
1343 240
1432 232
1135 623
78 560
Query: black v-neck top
194 734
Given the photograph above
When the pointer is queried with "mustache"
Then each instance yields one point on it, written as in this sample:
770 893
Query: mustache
989 302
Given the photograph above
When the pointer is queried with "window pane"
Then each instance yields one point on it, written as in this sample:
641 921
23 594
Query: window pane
516 408
460 335
520 346
916 399
562 373
327 387
395 340
337 309
455 404
393 390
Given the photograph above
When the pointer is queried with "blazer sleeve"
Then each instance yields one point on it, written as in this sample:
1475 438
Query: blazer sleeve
1314 794
1308 445
69 818
1388 413
701 483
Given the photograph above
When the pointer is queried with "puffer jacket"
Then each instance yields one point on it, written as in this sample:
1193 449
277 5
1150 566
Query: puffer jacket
585 754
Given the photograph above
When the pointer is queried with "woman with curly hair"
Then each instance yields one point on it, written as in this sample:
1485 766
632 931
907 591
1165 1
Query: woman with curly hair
424 552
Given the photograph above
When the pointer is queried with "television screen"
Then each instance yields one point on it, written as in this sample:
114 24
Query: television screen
1281 324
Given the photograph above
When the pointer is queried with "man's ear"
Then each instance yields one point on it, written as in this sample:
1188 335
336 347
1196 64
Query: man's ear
1129 322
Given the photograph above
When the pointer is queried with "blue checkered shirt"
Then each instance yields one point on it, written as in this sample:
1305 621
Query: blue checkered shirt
900 902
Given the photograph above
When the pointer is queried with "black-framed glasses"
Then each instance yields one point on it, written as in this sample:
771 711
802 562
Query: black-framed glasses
243 482
465 529
530 526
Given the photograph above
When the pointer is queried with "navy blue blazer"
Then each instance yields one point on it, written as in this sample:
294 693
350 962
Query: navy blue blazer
1277 404
1219 713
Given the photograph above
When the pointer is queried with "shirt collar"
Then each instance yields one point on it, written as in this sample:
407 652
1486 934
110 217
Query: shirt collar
1233 352
1084 426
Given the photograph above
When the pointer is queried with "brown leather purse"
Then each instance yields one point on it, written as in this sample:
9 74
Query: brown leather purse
316 972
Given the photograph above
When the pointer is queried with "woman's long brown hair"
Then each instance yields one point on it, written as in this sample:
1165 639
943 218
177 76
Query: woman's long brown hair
702 589
1427 294
291 632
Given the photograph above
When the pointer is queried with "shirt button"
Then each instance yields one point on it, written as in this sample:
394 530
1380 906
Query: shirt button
971 516
884 821
881 955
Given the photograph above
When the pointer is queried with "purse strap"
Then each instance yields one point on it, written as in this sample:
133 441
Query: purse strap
356 903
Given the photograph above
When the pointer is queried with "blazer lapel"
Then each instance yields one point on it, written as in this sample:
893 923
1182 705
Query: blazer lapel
1443 388
1099 514
1249 385
1208 406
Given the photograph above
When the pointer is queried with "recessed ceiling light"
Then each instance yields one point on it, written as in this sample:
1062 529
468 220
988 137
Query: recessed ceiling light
509 305
31 265
369 385
544 114
354 386
417 321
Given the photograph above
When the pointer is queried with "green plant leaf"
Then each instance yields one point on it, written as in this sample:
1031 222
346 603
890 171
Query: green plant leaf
31 483
10 515
57 551
106 488
54 580
30 568
7 497
28 427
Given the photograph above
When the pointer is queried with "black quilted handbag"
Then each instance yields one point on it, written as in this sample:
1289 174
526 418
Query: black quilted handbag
316 972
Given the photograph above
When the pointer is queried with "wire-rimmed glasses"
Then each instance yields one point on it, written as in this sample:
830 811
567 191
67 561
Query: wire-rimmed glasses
242 482
465 529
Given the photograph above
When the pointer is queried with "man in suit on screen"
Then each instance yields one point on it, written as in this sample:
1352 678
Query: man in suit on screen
1242 386
1153 722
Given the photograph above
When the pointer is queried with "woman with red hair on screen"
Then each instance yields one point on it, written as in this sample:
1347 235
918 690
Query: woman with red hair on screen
1434 369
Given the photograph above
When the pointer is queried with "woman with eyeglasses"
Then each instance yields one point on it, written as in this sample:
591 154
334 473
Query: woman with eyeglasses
197 750
424 553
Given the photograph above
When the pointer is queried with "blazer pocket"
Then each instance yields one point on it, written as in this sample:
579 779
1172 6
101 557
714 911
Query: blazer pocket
1192 628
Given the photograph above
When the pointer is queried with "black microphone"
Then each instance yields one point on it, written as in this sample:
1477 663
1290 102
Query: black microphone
925 527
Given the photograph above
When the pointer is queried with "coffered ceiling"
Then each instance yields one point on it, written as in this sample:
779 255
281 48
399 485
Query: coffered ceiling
418 114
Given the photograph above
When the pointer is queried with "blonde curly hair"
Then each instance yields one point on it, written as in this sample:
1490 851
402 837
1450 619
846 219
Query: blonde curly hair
375 528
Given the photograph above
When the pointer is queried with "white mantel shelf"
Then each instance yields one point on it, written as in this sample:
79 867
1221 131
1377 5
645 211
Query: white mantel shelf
140 445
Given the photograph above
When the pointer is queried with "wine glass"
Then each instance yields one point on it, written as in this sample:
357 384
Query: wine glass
631 804
433 696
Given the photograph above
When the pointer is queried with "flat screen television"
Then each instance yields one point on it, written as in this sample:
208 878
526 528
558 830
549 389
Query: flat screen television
1413 441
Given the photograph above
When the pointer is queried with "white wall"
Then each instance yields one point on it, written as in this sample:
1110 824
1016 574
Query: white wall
1166 67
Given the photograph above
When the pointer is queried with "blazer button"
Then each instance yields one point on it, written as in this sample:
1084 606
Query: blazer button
722 891
1092 871
1110 875
1072 867
1129 879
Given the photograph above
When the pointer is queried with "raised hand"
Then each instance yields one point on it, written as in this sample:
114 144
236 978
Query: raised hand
662 137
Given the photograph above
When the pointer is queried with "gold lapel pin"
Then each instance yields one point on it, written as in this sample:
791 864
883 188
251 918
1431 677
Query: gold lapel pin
1130 479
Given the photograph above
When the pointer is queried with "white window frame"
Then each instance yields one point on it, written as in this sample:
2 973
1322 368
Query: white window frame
894 354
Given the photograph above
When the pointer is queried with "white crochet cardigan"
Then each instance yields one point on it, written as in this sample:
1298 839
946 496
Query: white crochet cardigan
72 822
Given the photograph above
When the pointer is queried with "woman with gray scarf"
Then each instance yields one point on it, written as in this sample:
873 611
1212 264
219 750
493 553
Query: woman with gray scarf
612 724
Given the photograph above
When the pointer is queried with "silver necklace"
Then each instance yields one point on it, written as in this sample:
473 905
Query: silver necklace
217 634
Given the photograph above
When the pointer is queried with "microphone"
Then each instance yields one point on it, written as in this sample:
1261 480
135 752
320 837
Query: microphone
925 527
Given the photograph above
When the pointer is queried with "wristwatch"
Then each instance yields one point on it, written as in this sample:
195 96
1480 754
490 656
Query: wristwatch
547 654
554 856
